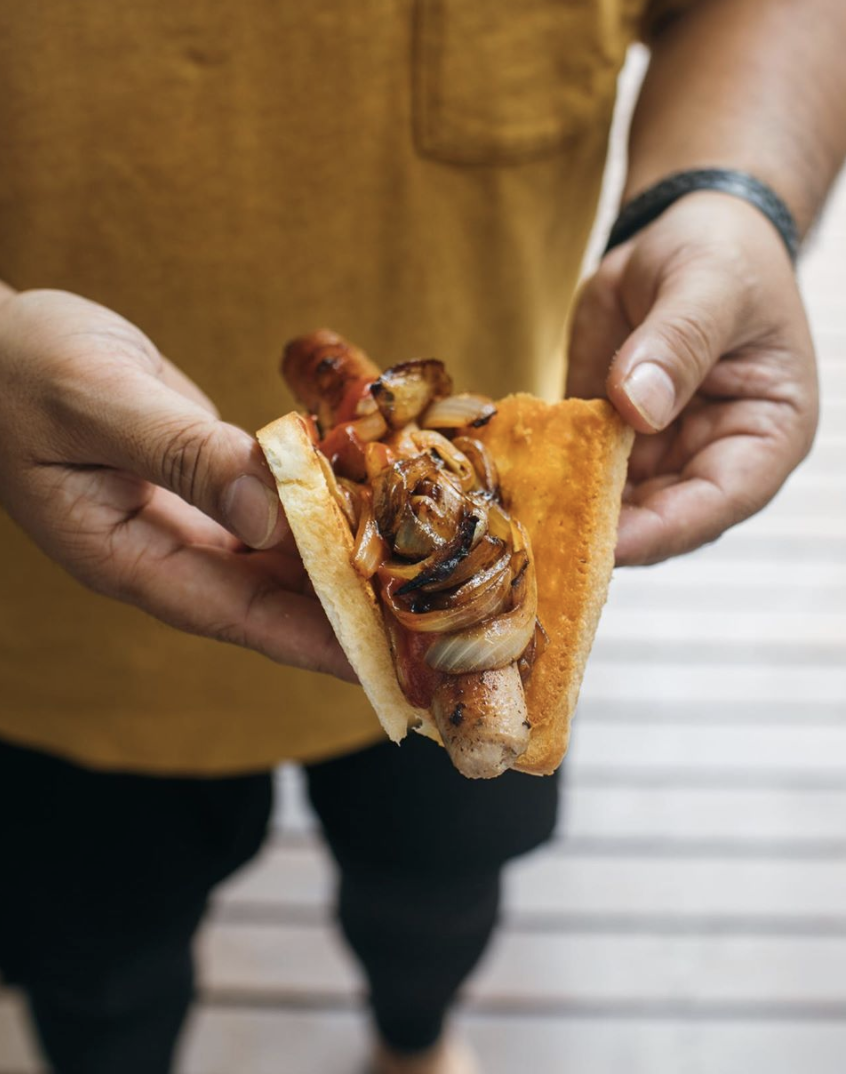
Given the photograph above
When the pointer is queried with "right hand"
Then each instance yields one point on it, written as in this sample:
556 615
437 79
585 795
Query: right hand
119 468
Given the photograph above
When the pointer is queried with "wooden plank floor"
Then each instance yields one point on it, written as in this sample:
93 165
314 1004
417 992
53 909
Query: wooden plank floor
690 916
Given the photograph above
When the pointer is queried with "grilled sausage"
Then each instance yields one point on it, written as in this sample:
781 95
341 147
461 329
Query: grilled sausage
483 720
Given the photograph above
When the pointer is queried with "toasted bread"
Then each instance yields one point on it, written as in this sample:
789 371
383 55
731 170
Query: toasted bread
562 468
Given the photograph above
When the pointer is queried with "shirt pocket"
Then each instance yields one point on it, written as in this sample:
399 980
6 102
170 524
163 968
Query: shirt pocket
504 81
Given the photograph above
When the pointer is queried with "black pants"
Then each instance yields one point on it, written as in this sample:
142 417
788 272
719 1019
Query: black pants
105 877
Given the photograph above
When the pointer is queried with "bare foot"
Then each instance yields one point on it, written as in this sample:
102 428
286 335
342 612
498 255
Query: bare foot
448 1056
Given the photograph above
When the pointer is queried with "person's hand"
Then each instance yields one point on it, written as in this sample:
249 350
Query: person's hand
118 466
696 332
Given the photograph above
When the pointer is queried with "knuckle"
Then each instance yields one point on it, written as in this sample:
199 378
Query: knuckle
245 628
688 339
184 458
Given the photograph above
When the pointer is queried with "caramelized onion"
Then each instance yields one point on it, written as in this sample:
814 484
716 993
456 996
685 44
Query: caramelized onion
417 492
476 453
459 411
370 550
443 563
499 522
405 390
460 465
415 537
470 589
444 499
402 569
400 442
485 595
535 648
370 427
479 559
498 641
393 487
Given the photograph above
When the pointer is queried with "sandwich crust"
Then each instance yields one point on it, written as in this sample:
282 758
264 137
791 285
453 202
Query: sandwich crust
562 468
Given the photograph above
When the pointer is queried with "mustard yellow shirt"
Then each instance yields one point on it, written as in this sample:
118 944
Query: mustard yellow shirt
420 176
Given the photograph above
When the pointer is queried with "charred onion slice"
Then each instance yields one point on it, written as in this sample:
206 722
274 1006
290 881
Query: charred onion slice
370 550
535 648
479 559
416 537
428 440
476 453
393 487
485 595
400 442
417 491
496 642
405 390
458 412
443 563
370 427
499 522
443 500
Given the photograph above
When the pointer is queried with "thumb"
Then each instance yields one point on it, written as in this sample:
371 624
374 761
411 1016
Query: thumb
661 365
157 433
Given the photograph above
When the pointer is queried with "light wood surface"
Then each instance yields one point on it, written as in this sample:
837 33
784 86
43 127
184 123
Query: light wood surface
690 915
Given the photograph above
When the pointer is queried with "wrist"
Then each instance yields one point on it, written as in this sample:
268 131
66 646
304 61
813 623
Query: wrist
639 212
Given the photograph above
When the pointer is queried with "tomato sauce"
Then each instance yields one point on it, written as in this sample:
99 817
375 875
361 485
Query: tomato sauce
417 679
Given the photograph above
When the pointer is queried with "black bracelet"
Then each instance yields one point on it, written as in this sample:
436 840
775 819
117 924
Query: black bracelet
649 205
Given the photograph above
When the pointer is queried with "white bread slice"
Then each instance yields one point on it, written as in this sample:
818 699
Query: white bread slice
562 467
325 543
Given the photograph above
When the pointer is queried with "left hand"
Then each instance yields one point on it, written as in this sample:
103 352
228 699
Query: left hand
696 332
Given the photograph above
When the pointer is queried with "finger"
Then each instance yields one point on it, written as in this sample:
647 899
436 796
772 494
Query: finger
227 596
727 482
133 421
249 599
691 324
598 328
92 504
231 597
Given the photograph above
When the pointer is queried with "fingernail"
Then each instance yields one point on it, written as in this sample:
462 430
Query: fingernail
251 510
651 393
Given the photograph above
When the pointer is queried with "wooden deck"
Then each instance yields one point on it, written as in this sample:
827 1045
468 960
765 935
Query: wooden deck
691 916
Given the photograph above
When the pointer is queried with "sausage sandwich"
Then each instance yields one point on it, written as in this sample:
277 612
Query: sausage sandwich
461 548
